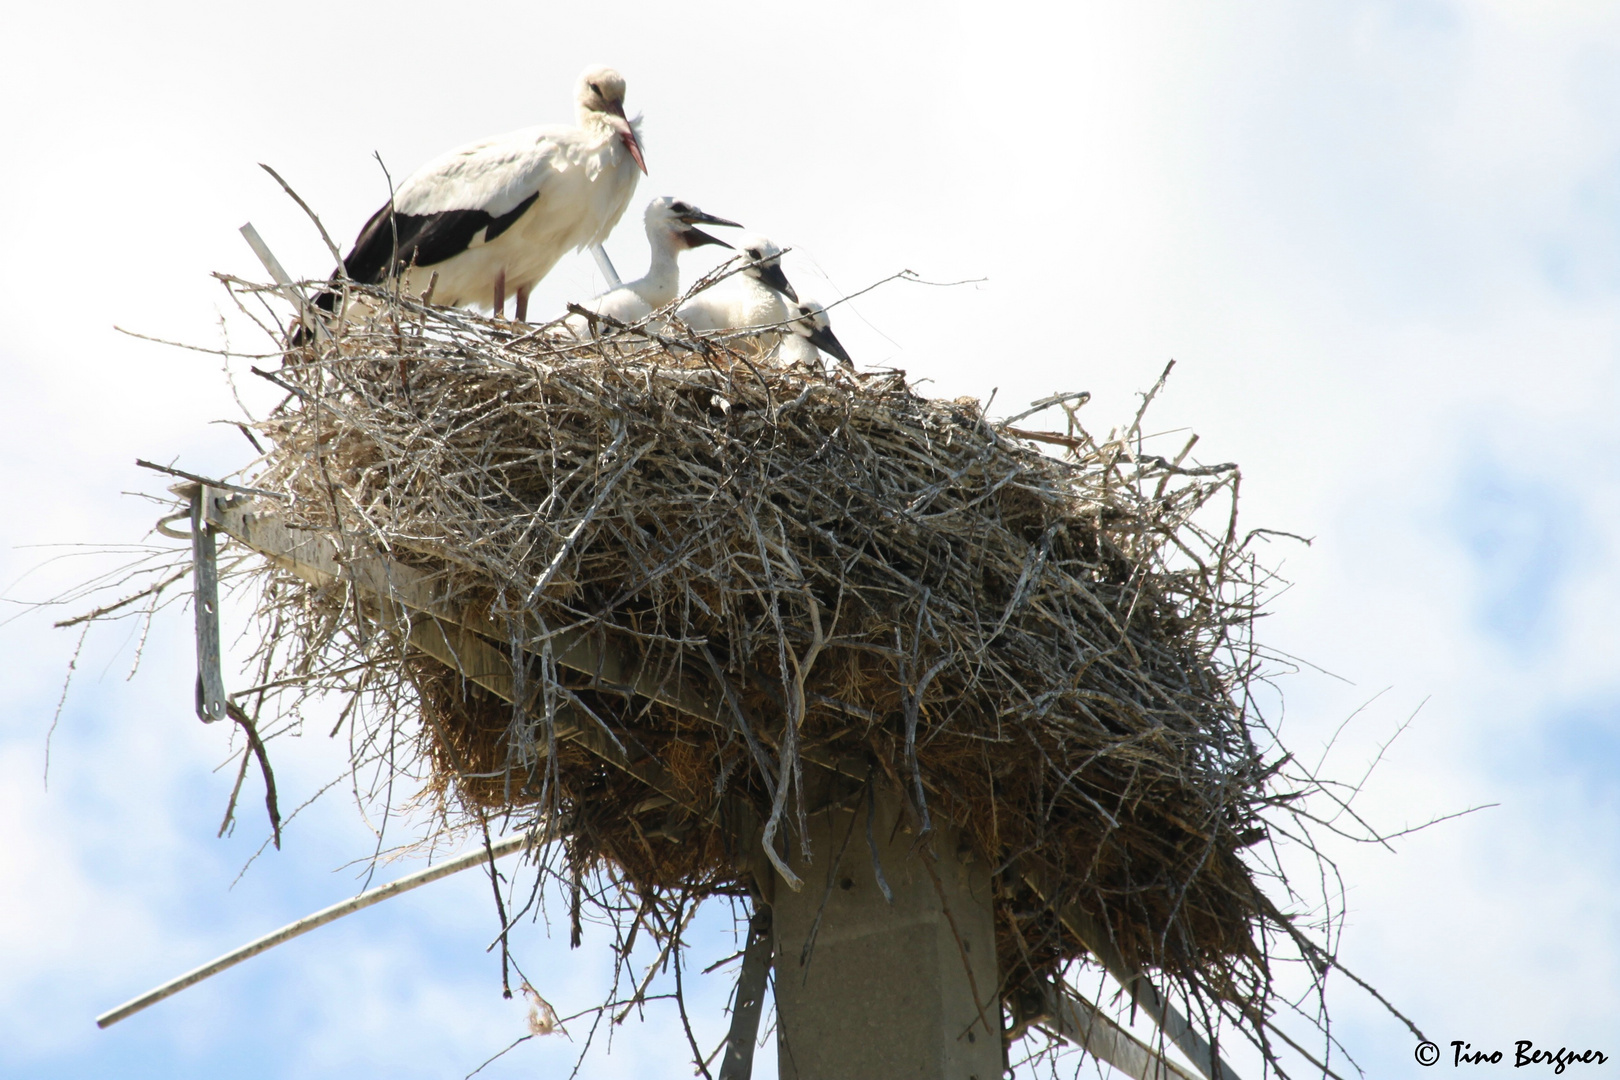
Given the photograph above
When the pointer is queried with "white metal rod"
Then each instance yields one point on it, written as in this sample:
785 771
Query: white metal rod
284 282
268 258
605 264
308 923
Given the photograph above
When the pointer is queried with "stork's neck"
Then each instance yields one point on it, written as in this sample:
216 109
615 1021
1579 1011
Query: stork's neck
662 280
600 136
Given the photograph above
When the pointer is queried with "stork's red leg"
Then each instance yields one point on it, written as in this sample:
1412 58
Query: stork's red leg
521 305
500 294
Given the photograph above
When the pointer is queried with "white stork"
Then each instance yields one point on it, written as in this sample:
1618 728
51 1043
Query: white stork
811 330
756 300
671 229
493 217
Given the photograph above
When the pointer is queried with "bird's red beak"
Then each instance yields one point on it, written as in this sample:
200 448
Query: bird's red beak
627 135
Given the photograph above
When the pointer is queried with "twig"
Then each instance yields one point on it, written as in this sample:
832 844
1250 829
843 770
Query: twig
337 256
221 484
1079 397
256 744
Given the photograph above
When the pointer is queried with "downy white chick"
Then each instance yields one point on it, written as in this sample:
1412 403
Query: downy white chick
811 331
671 229
758 296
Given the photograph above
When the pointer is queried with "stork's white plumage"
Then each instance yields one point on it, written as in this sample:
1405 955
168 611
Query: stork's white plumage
758 296
493 217
671 229
811 331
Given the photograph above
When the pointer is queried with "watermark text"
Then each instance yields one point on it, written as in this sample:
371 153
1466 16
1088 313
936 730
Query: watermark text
1525 1052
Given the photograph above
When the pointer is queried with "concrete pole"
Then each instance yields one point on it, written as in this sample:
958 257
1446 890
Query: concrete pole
869 990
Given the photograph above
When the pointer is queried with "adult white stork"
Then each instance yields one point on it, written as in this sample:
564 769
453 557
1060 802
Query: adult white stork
811 330
671 229
493 217
759 297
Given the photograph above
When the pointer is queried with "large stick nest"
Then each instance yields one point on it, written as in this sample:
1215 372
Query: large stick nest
1050 653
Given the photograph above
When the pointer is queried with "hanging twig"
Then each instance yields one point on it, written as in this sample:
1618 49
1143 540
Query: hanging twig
235 712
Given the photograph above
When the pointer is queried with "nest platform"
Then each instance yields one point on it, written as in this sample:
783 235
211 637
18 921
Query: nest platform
641 590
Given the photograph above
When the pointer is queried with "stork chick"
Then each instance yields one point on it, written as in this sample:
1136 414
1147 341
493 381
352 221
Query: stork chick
759 297
811 330
671 229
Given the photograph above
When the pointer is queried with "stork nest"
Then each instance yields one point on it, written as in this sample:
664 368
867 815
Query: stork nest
1040 638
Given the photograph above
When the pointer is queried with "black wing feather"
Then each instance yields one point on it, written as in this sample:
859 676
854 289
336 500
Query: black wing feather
422 239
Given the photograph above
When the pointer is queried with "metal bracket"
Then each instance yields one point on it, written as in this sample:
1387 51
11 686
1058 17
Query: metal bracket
205 603
1078 1020
1143 994
738 1063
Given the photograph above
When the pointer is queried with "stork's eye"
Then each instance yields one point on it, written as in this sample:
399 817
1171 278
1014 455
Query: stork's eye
597 90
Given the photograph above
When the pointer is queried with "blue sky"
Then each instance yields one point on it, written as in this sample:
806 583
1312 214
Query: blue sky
1522 535
1381 240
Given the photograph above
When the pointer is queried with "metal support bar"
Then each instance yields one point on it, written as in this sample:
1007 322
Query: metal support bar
284 282
1143 993
738 1064
1079 1021
205 602
314 558
605 264
440 629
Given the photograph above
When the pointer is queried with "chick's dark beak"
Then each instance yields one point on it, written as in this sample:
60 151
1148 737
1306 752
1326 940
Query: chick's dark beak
822 338
771 274
699 217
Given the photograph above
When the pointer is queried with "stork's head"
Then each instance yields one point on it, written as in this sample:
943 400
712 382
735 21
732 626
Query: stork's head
813 325
600 96
765 260
676 218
